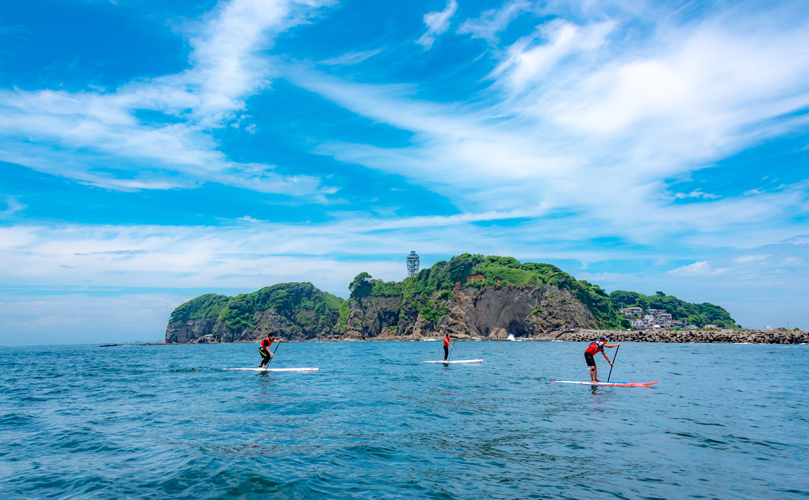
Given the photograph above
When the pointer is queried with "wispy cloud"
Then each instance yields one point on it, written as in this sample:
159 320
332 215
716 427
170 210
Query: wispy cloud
351 58
528 62
70 316
12 207
575 144
698 269
493 21
697 193
72 134
437 23
593 120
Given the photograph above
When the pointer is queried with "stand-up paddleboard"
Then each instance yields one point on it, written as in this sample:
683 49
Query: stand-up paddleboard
459 361
616 384
272 369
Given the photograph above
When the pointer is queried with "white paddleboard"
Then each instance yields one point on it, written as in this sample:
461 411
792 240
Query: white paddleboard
272 369
459 361
615 384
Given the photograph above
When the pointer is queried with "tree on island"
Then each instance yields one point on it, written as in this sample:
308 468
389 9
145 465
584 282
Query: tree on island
362 285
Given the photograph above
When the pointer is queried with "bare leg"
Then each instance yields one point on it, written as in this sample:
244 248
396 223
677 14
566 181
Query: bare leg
593 374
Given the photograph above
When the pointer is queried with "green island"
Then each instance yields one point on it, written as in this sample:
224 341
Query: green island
427 289
539 298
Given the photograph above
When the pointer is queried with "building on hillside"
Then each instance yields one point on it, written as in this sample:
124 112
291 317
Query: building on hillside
639 324
653 319
412 264
632 312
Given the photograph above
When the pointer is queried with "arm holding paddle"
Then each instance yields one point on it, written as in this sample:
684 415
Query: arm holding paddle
272 353
605 353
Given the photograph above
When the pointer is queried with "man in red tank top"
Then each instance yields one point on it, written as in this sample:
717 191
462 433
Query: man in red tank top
264 349
447 345
595 347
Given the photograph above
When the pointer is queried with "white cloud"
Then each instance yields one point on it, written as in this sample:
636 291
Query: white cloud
585 120
248 257
351 58
697 193
70 134
744 259
99 316
492 22
697 269
247 218
12 207
527 64
437 23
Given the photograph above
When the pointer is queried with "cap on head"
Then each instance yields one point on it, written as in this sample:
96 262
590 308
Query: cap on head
602 337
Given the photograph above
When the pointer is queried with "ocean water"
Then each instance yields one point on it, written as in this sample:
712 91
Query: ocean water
725 421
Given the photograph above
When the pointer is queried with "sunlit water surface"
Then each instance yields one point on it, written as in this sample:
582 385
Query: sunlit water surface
725 421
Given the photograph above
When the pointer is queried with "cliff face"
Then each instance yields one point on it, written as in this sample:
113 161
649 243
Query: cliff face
494 312
294 311
189 331
468 296
372 317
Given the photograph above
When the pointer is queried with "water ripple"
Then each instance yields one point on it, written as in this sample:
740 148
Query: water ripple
168 422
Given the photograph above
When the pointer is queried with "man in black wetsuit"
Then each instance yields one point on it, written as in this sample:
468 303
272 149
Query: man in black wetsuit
264 349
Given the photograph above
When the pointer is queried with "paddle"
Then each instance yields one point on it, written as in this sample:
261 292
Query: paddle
450 351
279 345
613 362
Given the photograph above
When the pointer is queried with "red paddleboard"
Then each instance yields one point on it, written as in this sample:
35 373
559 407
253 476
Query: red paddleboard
616 384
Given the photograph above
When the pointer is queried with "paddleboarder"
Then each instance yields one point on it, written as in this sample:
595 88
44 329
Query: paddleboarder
595 347
264 349
447 345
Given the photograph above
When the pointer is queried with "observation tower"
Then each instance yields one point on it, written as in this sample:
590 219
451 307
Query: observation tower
412 264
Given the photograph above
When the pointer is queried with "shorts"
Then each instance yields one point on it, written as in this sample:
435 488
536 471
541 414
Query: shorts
589 358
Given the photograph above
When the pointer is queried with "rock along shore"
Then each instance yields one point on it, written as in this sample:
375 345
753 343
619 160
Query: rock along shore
684 336
585 335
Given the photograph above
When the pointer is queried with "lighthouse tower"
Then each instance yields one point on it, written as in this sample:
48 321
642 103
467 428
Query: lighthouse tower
412 264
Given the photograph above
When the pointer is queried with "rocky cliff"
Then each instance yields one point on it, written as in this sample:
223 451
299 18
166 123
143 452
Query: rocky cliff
468 296
294 311
494 312
475 296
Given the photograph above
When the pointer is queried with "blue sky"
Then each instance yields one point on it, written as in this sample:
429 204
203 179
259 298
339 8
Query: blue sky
153 151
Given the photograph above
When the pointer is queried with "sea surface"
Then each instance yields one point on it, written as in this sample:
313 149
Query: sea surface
725 421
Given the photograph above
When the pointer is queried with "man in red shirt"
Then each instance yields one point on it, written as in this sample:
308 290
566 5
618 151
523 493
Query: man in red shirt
447 345
264 349
595 347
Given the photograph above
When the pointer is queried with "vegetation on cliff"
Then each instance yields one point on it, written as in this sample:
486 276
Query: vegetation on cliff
479 272
308 311
302 303
204 306
693 314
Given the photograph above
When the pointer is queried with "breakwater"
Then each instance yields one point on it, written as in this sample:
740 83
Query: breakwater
683 336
